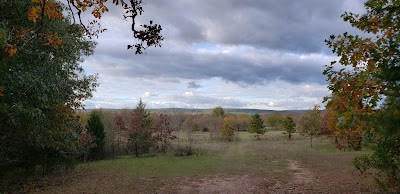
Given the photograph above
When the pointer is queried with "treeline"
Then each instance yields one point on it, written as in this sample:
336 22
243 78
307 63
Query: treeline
139 132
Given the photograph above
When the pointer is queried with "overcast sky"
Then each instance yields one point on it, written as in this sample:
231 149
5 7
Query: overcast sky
262 54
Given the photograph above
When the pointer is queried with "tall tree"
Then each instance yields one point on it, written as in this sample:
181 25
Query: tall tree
39 12
370 72
162 134
140 130
257 125
25 25
289 125
311 123
43 85
218 112
96 129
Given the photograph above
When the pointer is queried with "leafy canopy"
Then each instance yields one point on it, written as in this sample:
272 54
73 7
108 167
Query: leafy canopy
369 72
43 85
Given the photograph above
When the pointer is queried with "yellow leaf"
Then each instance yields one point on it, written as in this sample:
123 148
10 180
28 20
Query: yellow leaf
83 8
33 13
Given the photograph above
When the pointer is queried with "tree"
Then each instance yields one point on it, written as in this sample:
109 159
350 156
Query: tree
275 120
289 125
140 131
25 25
329 120
369 72
227 130
107 118
43 86
213 124
257 125
96 129
242 123
311 123
190 127
162 134
39 12
218 112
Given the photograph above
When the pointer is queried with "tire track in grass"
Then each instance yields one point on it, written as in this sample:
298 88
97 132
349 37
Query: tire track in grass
302 183
234 158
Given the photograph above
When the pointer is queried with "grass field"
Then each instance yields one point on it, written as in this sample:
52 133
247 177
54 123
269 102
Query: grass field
246 165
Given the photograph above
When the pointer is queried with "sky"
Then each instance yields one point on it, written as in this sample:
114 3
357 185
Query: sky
258 54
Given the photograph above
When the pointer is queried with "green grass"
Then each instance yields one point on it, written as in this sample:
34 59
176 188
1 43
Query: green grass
159 166
245 155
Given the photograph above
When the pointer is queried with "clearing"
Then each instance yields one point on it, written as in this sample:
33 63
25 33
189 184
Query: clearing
246 165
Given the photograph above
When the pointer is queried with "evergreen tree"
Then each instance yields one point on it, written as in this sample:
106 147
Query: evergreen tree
257 125
140 131
289 125
96 129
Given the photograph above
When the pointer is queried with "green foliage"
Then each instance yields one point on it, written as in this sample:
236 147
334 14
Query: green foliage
257 125
218 112
311 123
43 86
289 125
386 156
96 129
275 120
372 73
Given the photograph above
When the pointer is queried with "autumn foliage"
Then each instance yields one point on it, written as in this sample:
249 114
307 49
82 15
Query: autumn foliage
26 24
369 75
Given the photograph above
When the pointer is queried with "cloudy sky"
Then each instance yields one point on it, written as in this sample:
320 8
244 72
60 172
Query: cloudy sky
262 54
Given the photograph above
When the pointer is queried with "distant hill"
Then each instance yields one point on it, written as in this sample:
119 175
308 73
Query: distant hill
209 111
227 110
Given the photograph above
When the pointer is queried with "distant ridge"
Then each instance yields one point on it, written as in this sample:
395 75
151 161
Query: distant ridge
209 111
227 110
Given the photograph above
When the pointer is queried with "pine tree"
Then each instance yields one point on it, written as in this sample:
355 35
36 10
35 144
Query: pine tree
289 125
96 129
257 125
140 131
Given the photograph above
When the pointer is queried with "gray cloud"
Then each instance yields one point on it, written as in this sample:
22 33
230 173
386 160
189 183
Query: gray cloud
270 38
255 67
194 85
295 26
253 43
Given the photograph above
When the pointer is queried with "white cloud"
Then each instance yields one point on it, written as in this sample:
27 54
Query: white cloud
149 94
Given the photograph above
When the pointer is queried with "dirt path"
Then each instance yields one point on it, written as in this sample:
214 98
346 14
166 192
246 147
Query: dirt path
226 183
302 181
302 177
244 184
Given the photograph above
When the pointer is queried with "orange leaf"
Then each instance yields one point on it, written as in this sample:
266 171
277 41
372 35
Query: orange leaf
10 49
34 13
